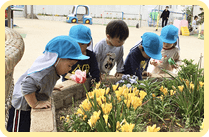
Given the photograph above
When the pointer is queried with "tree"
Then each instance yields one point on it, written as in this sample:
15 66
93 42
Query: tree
189 12
201 15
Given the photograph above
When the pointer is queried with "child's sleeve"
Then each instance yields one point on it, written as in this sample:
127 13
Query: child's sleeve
176 57
135 64
98 50
120 62
29 86
147 65
94 70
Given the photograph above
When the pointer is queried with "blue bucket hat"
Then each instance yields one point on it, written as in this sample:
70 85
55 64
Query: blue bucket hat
169 34
80 34
65 47
152 45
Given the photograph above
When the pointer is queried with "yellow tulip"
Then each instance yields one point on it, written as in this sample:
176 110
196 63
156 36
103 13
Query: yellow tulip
106 118
107 90
153 95
161 97
91 95
142 94
127 127
172 92
98 85
136 102
106 108
165 91
79 111
92 121
109 125
201 83
153 128
181 88
118 125
114 87
86 105
187 83
128 103
161 88
192 86
134 89
84 117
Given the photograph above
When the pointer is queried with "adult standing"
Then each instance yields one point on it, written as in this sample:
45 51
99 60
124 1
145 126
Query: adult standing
165 16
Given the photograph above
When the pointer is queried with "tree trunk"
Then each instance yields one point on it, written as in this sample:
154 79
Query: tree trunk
31 12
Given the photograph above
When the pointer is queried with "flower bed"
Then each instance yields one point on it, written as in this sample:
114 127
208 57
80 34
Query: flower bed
171 105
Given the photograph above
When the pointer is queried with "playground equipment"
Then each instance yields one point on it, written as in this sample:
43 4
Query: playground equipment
129 18
80 14
158 17
182 25
153 16
185 31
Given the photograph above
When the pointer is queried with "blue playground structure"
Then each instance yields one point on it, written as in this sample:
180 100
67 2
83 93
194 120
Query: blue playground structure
152 20
78 17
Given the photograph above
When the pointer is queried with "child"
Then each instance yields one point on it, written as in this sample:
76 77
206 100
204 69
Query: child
194 25
169 36
60 54
82 35
137 60
110 50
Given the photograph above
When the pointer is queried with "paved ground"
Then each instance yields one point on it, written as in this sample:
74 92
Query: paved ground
40 32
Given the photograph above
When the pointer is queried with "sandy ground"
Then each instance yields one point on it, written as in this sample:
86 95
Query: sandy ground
40 32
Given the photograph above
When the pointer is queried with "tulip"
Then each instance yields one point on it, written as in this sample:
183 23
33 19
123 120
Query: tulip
98 85
181 88
114 87
201 83
153 128
127 127
106 118
79 76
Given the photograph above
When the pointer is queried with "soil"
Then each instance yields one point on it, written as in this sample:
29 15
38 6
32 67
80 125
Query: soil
68 110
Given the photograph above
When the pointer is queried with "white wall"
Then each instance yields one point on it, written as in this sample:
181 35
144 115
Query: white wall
97 10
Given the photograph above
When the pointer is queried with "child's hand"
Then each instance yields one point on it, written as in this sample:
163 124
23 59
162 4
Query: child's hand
43 104
58 87
117 74
174 66
154 62
145 73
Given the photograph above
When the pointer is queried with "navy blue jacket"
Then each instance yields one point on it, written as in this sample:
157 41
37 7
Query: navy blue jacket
90 65
135 63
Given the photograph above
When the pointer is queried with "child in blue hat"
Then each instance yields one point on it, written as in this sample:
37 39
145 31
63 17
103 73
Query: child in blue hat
169 36
35 86
82 35
138 58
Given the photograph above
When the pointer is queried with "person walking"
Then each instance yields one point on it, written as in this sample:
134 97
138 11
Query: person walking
165 16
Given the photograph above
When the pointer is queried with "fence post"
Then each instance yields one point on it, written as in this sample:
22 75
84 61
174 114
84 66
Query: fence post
122 15
25 11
